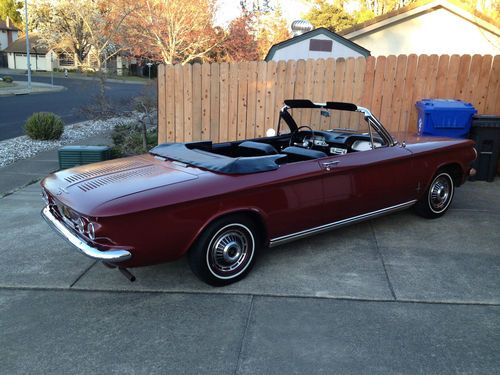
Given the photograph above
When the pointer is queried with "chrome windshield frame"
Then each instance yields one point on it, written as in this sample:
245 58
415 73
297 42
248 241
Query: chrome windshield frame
373 121
368 115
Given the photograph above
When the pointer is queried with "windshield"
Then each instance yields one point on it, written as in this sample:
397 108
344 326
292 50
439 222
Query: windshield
334 121
329 119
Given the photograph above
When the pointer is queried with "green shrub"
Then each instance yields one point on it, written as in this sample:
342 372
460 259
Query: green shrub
7 79
127 140
144 104
44 126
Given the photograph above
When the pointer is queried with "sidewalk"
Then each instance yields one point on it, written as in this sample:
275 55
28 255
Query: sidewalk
24 172
21 88
75 75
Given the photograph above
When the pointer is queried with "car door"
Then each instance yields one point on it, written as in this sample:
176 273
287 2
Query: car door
362 182
294 199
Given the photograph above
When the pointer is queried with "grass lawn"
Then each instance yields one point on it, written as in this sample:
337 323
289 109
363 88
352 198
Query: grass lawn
5 84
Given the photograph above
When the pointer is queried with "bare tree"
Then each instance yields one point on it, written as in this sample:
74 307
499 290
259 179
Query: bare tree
172 31
59 26
103 22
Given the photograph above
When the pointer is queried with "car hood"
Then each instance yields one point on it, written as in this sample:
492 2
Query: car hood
87 188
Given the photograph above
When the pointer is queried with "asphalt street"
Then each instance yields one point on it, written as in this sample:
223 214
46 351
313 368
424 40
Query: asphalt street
14 110
395 295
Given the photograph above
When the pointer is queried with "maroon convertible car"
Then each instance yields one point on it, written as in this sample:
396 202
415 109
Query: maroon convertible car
220 203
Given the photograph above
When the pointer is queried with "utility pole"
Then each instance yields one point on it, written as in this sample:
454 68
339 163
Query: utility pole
52 68
27 44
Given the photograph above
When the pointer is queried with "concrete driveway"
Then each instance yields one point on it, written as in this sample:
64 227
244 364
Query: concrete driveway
394 295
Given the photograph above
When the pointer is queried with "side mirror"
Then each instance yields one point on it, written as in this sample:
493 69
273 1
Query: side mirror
270 132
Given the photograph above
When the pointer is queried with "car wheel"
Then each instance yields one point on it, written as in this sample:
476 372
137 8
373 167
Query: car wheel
437 198
225 251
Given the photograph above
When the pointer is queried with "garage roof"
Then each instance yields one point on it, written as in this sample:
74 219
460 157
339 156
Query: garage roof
312 34
19 46
420 7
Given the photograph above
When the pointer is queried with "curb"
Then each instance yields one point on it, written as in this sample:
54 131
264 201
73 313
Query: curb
26 92
10 192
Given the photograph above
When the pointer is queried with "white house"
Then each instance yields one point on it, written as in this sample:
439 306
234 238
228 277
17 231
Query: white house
428 27
316 44
8 33
39 55
44 59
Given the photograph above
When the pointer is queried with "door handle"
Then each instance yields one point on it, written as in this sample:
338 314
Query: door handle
328 165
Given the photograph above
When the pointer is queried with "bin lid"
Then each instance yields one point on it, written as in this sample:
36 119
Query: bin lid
444 104
84 148
486 121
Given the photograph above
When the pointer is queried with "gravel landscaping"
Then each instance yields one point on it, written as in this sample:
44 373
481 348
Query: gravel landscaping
23 147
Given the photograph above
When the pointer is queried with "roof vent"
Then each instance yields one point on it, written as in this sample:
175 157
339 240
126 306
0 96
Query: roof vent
300 27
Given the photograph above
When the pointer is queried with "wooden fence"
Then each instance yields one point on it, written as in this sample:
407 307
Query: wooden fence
222 101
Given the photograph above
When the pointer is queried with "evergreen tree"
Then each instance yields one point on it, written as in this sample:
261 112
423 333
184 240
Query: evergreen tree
329 15
11 9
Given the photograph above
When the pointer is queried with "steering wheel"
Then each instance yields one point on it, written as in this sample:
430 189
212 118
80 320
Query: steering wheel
309 145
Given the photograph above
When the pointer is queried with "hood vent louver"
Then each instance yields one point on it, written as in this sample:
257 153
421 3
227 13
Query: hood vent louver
116 177
110 168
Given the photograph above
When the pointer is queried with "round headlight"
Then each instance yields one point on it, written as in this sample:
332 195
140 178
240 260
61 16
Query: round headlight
80 225
91 231
45 197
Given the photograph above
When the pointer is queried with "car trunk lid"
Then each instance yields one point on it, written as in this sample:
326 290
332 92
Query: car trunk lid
84 188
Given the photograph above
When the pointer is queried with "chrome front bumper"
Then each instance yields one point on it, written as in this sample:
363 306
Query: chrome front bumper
109 256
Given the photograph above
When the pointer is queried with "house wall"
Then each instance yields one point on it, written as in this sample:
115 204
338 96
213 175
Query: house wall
10 60
437 32
4 43
300 50
52 61
4 38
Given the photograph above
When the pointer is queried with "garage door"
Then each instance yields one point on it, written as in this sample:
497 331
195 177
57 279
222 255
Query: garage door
38 63
20 61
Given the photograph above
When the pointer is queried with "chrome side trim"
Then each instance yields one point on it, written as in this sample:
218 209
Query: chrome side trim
337 224
111 256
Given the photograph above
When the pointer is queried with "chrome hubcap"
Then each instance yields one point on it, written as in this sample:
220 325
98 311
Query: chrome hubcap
229 250
440 193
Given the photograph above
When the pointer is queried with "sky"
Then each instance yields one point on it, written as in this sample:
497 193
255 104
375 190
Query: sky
230 9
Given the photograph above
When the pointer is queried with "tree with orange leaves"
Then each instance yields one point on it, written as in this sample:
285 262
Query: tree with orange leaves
267 23
237 43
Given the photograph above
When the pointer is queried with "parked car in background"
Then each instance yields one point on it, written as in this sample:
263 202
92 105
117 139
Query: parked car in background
222 203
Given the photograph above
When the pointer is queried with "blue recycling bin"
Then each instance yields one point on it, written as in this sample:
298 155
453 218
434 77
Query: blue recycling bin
445 117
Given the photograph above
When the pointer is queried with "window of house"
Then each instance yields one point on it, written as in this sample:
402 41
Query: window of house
320 45
66 59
